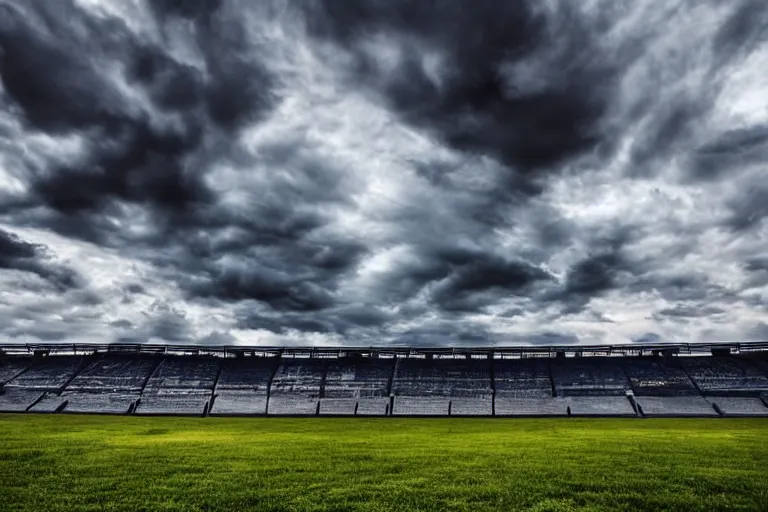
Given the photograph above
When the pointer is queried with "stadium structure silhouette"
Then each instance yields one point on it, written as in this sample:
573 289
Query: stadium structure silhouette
637 380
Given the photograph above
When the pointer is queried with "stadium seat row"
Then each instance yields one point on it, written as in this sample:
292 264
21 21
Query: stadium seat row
197 385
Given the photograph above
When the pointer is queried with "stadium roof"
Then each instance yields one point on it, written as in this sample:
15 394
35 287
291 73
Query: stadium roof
320 351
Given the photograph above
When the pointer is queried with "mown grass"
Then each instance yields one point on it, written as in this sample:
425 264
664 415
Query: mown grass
79 463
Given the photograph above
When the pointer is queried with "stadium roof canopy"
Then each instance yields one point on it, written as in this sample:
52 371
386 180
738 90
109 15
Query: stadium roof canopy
633 349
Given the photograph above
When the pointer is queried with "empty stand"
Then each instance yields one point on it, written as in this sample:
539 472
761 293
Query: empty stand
18 400
468 406
741 406
180 385
243 383
50 373
185 372
759 361
287 404
724 375
296 387
600 406
585 376
113 402
10 367
507 405
675 406
372 406
420 406
50 402
188 402
522 378
338 406
651 377
109 384
357 377
355 385
114 373
426 387
243 386
235 402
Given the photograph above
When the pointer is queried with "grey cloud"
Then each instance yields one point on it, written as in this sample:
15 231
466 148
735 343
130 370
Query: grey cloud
733 149
121 324
743 31
757 264
55 76
16 254
759 332
484 101
373 172
690 311
549 338
749 208
168 323
648 337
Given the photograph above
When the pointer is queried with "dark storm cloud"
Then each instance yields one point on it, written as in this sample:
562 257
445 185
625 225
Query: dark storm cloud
666 133
733 149
594 274
748 208
689 311
167 323
57 77
685 111
607 267
460 279
446 333
366 322
744 29
552 338
16 254
481 102
430 173
648 337
537 337
476 280
190 9
757 264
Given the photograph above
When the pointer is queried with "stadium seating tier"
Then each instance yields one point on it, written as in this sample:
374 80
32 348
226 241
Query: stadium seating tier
237 402
740 406
99 403
675 406
119 383
17 400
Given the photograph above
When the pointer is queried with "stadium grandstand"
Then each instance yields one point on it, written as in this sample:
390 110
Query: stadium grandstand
623 380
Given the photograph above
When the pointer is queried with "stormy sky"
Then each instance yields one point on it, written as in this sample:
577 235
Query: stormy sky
380 172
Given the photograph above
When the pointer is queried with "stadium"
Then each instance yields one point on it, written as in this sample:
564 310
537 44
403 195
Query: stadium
633 381
562 428
383 255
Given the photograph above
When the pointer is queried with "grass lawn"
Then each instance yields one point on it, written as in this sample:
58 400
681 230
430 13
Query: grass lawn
74 463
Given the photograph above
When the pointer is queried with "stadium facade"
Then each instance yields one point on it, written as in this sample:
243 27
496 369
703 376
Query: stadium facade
635 380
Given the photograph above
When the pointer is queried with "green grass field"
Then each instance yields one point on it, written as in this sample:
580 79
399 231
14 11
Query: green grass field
74 463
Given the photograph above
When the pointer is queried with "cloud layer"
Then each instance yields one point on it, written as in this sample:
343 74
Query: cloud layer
373 172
